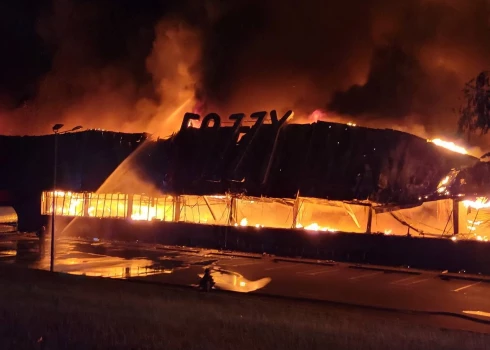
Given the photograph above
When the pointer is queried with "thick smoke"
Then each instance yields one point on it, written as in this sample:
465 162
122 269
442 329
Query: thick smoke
105 76
379 63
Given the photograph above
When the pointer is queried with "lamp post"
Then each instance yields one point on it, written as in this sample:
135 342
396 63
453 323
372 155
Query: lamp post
56 130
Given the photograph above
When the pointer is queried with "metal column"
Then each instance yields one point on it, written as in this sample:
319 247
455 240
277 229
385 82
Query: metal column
455 216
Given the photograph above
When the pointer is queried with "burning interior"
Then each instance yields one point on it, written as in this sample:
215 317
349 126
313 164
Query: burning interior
435 218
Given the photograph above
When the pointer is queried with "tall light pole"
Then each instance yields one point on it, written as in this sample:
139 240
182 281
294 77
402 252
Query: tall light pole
56 130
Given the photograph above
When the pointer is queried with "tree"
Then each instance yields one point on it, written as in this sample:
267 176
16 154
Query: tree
475 114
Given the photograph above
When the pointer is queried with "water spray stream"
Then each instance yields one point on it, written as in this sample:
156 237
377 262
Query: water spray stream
127 170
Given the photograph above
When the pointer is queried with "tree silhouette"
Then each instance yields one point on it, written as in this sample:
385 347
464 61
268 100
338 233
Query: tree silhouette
475 114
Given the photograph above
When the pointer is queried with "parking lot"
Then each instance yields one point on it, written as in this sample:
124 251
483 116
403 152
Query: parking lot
382 287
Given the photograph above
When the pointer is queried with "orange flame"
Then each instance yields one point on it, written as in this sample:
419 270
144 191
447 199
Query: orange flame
479 203
449 145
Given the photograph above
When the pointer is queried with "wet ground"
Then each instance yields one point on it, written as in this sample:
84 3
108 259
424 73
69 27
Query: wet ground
340 282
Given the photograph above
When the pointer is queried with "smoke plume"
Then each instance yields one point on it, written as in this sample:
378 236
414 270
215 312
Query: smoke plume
103 76
377 63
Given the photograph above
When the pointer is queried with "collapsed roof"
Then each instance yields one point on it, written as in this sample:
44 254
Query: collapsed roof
321 160
468 182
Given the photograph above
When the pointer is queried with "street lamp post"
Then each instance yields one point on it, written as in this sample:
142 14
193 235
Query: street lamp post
56 130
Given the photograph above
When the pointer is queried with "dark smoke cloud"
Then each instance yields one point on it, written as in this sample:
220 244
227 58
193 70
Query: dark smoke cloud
283 56
419 71
377 62
381 62
393 81
97 74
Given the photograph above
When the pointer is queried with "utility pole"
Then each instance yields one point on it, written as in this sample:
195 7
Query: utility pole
56 129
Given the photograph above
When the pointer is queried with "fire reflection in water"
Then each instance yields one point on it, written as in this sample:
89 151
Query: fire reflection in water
233 281
106 266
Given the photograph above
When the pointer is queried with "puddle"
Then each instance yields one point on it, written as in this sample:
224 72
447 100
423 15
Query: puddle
235 282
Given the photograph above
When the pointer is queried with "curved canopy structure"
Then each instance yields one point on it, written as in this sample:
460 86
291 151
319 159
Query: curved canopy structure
8 219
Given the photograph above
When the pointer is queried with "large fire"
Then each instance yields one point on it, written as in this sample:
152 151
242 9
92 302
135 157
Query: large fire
477 221
314 216
479 203
449 145
195 209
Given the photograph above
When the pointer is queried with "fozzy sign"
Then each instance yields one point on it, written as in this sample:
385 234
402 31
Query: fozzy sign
213 120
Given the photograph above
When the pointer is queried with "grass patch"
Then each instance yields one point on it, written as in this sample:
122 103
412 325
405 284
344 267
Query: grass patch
74 312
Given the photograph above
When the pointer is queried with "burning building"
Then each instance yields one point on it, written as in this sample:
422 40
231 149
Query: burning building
321 177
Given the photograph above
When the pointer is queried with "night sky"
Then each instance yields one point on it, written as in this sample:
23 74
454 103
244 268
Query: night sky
127 65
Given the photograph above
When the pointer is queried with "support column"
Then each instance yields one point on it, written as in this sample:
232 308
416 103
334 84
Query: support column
232 217
129 212
177 208
296 210
455 216
86 204
370 220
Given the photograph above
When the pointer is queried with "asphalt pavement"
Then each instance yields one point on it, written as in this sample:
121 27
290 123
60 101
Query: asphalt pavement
433 292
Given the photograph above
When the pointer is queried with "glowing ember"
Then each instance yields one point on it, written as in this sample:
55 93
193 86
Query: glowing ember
244 222
441 189
472 225
454 239
449 145
351 124
479 203
315 227
388 232
445 180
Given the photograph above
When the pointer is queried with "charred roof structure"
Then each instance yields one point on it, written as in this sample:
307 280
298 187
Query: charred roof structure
321 160
467 182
